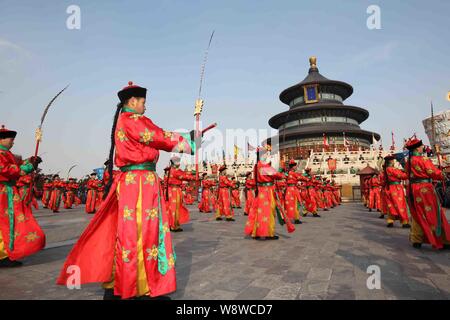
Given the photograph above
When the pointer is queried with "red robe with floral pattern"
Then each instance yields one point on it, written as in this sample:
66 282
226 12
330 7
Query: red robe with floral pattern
24 188
47 189
206 203
20 234
235 195
92 196
178 213
56 196
128 240
223 205
375 193
266 205
250 187
293 201
424 204
395 198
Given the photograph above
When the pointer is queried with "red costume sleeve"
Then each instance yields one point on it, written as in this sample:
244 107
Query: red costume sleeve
433 172
9 169
141 129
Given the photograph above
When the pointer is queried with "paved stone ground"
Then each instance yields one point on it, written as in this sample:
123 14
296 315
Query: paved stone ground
326 258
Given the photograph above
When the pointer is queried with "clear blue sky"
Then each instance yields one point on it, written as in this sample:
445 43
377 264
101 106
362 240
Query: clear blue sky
260 48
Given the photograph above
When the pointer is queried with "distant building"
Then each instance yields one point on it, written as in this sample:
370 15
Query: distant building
318 119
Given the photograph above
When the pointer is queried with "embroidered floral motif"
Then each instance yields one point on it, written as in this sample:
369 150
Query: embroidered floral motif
21 218
150 178
136 116
424 190
125 254
167 134
152 213
127 214
129 178
166 228
121 135
152 253
31 236
146 136
171 262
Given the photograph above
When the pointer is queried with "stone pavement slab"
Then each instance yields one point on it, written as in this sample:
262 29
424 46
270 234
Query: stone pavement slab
326 258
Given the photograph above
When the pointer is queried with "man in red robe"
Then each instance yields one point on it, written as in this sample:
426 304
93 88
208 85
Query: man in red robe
206 203
56 196
293 200
178 213
311 196
429 223
235 194
375 195
250 187
224 206
92 198
47 188
70 194
395 198
266 205
23 184
128 243
20 234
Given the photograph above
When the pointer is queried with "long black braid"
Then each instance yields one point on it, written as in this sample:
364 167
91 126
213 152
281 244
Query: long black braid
111 150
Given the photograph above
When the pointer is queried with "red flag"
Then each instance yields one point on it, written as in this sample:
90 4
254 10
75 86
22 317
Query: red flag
331 164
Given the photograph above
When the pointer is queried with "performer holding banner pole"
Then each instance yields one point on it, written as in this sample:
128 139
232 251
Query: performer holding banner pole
266 205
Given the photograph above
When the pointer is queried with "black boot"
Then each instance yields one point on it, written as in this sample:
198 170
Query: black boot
417 245
273 238
218 219
316 215
297 222
390 225
109 295
370 209
230 219
8 263
381 216
406 226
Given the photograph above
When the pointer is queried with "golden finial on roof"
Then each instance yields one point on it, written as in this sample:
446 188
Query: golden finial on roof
313 62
